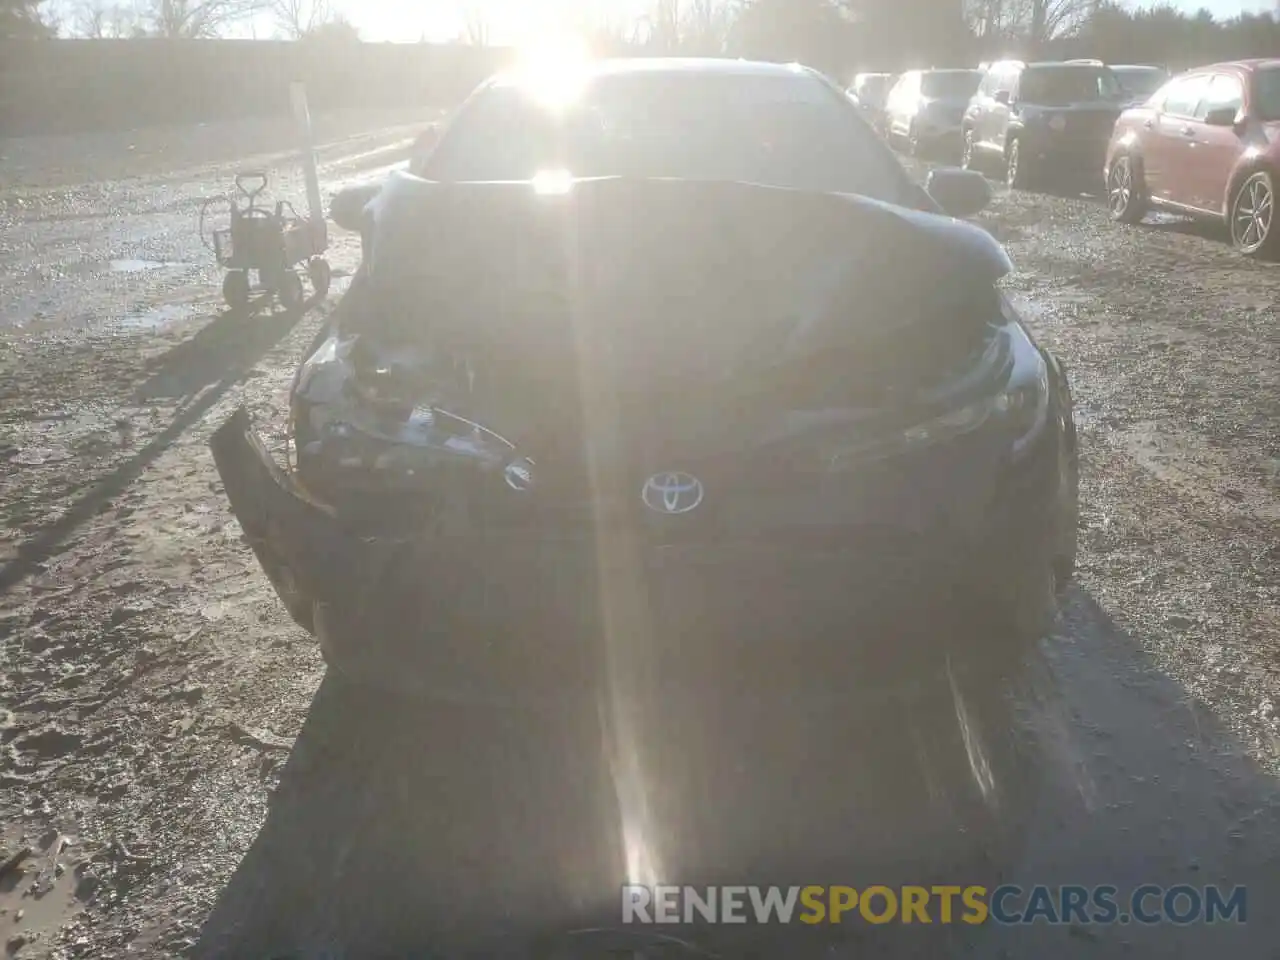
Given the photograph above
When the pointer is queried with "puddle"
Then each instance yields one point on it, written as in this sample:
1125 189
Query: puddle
43 895
138 266
154 318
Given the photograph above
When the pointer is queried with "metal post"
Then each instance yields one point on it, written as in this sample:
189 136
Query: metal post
302 116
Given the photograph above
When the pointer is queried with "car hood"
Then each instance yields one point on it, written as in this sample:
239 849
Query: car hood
648 281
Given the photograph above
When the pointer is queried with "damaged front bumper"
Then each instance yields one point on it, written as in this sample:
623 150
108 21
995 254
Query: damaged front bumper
489 615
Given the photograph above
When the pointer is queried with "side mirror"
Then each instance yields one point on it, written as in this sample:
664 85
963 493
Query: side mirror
347 207
1222 117
422 148
960 193
1002 97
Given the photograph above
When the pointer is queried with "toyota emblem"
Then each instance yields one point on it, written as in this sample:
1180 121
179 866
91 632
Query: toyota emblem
672 492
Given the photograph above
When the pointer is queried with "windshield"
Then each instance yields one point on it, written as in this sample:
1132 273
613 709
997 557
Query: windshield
1266 93
950 84
1061 86
873 87
785 131
1140 81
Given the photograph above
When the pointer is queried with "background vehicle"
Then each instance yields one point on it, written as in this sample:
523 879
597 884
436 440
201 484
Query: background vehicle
869 91
514 490
1207 144
1139 81
1041 121
925 107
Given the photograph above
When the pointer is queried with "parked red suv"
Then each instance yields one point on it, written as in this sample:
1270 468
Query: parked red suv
1206 144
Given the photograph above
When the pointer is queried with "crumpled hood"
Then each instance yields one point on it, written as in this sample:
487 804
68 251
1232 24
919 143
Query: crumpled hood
657 279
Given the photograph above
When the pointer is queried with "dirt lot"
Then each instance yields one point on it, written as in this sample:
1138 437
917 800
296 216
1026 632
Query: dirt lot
183 779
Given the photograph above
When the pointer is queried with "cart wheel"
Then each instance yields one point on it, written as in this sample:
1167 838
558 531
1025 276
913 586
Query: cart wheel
289 290
235 290
320 273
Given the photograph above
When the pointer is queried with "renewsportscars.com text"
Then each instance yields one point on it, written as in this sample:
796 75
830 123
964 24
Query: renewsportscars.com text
1007 905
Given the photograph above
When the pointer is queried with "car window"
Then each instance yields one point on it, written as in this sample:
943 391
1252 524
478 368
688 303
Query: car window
1182 96
787 131
1266 93
1006 81
1060 86
950 84
1139 81
1223 92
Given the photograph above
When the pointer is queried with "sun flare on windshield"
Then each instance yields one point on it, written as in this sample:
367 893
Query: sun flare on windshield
552 69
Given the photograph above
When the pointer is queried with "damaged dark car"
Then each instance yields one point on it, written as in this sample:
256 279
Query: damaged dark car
678 385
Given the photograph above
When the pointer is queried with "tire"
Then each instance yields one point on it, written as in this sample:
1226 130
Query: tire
1017 174
321 276
235 290
1126 192
1064 562
289 290
1252 218
952 783
969 153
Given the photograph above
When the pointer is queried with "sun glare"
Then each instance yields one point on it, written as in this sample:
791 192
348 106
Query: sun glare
552 183
552 69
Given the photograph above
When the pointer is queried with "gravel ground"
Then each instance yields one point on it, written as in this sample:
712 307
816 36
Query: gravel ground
185 780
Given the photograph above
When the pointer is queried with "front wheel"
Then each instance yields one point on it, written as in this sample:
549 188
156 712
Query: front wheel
235 290
321 275
289 290
1016 171
1126 193
1068 533
1253 217
968 152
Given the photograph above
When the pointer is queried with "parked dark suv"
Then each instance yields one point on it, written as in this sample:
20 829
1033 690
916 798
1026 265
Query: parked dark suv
1041 121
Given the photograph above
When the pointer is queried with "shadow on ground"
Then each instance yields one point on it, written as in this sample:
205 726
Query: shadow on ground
200 371
1205 228
400 826
222 352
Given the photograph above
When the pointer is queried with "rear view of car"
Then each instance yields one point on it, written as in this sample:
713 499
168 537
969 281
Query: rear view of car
1043 122
869 91
926 107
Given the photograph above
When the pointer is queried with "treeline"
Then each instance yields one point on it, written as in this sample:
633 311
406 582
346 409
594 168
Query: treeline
846 35
837 35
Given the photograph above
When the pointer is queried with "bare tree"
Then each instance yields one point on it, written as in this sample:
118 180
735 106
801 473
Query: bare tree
692 26
1035 22
301 18
475 25
707 24
199 19
609 33
103 20
664 26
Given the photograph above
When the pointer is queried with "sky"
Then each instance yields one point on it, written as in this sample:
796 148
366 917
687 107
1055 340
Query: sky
521 21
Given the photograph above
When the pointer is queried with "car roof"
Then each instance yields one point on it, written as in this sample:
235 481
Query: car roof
1136 66
623 66
1074 64
1247 66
